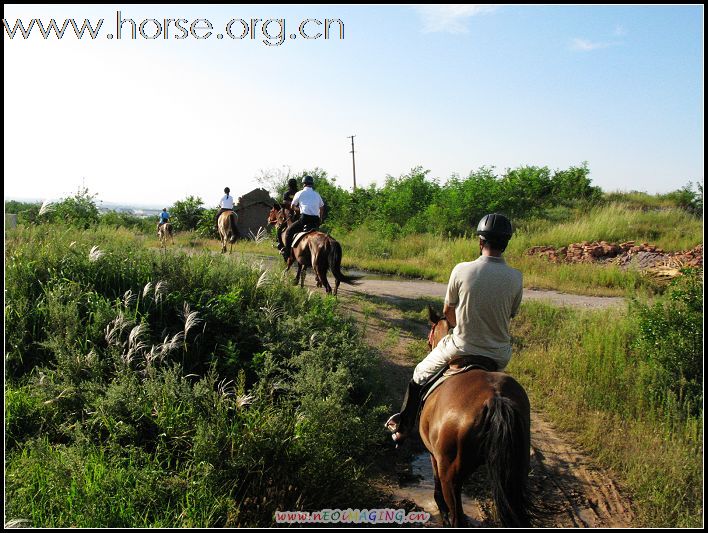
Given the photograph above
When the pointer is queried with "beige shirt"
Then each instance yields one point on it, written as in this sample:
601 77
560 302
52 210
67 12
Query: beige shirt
485 293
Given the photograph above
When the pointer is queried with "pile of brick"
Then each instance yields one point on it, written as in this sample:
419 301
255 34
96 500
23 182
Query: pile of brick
643 255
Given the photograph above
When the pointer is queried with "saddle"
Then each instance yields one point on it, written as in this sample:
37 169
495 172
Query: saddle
458 365
298 236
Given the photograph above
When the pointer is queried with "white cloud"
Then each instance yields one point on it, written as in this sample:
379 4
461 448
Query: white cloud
620 31
450 18
586 46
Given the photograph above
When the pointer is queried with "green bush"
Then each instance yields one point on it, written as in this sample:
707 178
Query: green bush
115 219
79 210
186 214
206 225
670 339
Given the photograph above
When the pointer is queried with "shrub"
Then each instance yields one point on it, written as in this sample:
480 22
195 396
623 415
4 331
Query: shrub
187 213
670 339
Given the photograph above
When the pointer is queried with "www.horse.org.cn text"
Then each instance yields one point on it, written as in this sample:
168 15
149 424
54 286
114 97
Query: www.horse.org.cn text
271 31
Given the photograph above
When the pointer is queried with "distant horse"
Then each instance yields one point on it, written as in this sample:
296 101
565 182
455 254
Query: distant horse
474 418
165 231
315 249
227 229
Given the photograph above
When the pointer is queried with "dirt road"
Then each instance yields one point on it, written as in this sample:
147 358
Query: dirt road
397 291
562 475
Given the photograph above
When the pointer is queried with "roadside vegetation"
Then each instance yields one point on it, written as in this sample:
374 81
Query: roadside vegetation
628 384
416 226
146 389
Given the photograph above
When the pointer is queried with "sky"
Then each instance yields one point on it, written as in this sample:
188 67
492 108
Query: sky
452 88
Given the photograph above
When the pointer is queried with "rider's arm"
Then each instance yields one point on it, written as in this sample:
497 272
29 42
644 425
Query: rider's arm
450 316
517 301
451 298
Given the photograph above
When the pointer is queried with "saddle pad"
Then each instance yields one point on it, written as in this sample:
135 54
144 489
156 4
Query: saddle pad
449 373
298 236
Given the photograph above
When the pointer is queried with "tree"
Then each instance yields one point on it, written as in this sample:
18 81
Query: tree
79 210
187 213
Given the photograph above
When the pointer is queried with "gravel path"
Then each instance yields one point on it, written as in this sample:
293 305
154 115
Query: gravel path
396 291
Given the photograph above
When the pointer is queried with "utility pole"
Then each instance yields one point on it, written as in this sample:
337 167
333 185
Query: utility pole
353 163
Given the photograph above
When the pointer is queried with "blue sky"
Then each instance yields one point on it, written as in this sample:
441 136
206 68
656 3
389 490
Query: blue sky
450 88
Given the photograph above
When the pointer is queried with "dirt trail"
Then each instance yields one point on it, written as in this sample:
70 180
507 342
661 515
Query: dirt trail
397 291
561 474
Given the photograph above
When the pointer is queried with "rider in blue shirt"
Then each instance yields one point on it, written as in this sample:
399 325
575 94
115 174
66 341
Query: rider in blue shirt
164 217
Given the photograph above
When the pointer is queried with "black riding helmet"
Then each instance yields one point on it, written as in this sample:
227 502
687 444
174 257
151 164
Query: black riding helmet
307 180
227 190
292 183
495 227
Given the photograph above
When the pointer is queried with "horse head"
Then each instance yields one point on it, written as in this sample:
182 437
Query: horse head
439 326
273 215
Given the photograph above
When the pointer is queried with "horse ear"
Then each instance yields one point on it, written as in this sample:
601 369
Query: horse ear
433 316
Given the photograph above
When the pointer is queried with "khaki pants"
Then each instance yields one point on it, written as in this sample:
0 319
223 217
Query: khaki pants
436 360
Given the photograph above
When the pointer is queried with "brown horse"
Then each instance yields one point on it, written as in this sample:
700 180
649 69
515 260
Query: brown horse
165 231
227 229
315 249
475 418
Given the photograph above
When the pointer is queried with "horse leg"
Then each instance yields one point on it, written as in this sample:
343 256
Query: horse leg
322 272
451 484
320 267
439 498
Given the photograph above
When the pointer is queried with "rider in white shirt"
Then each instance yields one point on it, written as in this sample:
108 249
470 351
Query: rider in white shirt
225 204
311 207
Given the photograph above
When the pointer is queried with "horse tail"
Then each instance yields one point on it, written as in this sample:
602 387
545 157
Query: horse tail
335 264
507 440
234 229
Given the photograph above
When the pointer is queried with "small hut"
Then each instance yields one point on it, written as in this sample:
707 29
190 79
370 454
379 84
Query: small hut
252 209
10 221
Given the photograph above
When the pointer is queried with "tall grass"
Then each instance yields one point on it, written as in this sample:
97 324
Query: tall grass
433 256
152 389
671 229
583 369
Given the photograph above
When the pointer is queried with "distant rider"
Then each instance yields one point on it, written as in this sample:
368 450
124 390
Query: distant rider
287 203
164 218
311 208
225 204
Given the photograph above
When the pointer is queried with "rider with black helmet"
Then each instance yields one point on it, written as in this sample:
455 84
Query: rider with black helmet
311 207
290 193
287 201
482 297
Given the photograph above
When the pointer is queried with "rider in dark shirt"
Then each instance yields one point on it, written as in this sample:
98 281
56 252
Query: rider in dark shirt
287 200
